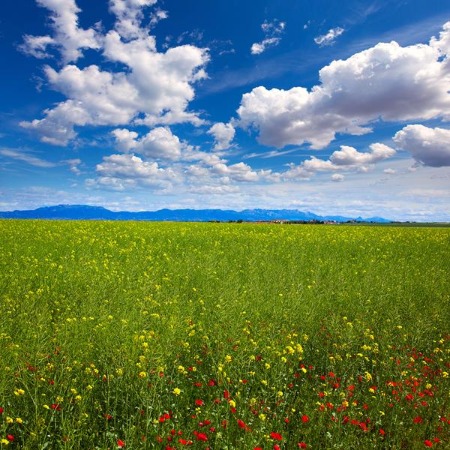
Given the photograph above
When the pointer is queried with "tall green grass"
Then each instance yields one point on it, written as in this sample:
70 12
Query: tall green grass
162 335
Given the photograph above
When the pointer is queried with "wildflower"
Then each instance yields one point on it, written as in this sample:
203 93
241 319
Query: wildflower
19 392
418 419
19 420
305 418
10 438
199 402
201 436
302 445
4 442
55 406
1 410
428 443
276 436
177 391
120 443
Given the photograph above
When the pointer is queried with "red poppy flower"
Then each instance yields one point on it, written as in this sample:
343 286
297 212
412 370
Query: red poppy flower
201 436
276 436
241 424
199 402
1 410
428 443
302 445
10 438
120 443
418 419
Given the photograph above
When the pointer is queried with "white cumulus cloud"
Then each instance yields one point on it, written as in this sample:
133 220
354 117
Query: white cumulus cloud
429 146
349 156
124 171
69 38
153 88
387 82
223 135
347 159
159 143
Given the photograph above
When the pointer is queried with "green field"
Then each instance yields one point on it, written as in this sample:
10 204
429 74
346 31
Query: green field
223 336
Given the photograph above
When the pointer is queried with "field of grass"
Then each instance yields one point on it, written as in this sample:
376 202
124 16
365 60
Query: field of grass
223 336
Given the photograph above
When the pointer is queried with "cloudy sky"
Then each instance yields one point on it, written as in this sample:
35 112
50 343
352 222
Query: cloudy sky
331 106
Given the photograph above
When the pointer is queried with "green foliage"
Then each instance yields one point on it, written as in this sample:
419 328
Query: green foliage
161 335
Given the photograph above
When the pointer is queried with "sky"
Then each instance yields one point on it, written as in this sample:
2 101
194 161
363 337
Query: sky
331 106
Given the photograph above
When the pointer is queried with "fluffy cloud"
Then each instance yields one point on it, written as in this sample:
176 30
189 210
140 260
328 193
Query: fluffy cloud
154 88
429 146
223 135
159 143
124 171
349 156
387 82
129 16
337 177
272 31
69 37
330 37
347 159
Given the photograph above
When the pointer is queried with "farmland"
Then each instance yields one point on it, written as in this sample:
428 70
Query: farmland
223 336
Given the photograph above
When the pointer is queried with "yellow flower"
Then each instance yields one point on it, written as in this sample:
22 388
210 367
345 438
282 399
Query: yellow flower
4 442
177 391
228 358
19 392
142 374
19 420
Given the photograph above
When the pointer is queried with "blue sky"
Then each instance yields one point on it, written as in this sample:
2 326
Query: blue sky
335 107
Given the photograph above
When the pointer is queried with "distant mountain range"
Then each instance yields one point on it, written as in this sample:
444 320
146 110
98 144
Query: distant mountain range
85 212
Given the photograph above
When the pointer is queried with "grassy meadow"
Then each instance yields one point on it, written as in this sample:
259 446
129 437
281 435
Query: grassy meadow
223 336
